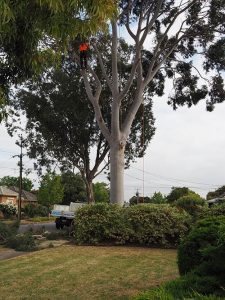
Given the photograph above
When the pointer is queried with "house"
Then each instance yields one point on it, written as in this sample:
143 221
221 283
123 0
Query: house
10 195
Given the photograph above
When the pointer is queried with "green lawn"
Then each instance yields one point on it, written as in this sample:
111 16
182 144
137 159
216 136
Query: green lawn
85 273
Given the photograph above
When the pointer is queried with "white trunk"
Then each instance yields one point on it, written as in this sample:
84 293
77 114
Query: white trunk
117 174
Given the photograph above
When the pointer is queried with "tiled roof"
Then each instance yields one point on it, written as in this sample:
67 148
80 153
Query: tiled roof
5 191
28 196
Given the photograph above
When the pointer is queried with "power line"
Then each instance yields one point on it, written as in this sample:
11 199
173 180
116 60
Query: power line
176 179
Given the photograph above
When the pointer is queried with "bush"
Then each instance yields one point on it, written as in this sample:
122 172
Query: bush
32 210
202 252
22 242
157 225
7 210
101 223
7 231
191 203
142 224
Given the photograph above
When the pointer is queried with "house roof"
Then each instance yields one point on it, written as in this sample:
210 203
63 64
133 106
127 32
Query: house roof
5 191
27 196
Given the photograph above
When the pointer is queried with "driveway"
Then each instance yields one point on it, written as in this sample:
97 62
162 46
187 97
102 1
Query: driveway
36 227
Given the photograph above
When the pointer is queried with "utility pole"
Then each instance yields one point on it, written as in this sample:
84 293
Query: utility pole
20 144
20 179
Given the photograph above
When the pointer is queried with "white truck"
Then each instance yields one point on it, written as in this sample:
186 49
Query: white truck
65 214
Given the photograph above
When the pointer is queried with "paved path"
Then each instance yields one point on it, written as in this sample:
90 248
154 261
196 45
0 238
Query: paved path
38 227
10 253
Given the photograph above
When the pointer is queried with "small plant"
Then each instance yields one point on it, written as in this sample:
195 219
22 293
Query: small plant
7 231
22 242
7 210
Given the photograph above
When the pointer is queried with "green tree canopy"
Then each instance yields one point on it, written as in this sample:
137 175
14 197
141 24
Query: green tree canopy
158 198
28 28
178 192
8 181
220 192
74 188
101 192
51 190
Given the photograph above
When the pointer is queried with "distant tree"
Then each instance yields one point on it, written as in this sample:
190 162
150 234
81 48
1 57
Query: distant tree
8 181
158 198
191 203
74 188
101 192
178 192
139 199
51 190
220 192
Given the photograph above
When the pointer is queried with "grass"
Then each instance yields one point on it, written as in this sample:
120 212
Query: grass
77 272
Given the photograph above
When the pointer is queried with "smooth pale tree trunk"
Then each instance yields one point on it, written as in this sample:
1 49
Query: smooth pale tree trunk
117 174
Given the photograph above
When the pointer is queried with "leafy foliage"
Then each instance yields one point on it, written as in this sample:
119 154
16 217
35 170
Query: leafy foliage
156 225
158 198
101 192
7 231
191 203
51 190
22 242
178 192
7 210
74 188
32 210
151 225
24 25
14 181
202 252
101 223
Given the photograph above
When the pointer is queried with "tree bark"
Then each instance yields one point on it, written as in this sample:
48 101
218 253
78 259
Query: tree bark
90 192
117 173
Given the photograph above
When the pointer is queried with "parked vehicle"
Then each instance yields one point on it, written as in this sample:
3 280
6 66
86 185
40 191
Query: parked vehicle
65 214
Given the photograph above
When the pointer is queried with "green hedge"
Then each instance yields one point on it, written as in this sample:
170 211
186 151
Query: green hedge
148 224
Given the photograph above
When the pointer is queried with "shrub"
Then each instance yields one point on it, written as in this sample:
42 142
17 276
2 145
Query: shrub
32 210
202 252
217 210
142 224
7 231
22 242
7 210
157 225
100 223
191 203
